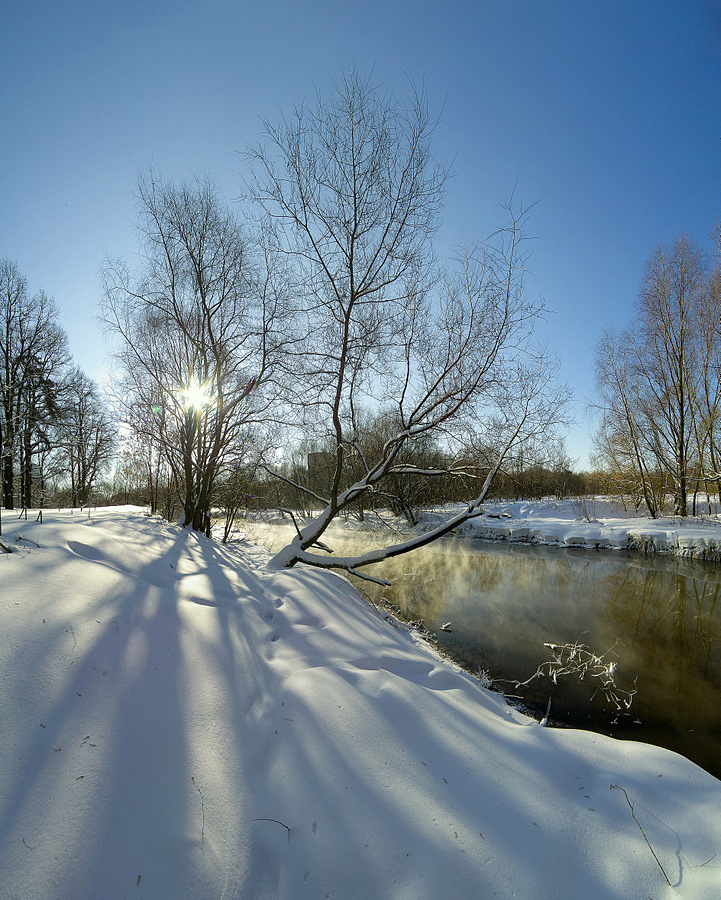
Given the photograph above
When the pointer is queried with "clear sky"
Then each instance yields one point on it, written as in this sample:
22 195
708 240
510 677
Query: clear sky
607 113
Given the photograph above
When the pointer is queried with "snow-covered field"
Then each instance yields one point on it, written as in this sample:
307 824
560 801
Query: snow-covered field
179 722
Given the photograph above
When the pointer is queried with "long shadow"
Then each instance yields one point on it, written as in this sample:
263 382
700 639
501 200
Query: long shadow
105 775
138 831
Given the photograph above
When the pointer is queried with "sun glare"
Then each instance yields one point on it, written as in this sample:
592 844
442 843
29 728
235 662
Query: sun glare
196 395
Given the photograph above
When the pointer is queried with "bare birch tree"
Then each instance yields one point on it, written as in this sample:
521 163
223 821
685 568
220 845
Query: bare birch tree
354 195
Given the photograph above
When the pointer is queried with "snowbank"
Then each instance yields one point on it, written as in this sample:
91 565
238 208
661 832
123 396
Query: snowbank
178 722
559 523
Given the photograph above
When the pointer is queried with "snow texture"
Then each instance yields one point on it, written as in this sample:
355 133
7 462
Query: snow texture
178 721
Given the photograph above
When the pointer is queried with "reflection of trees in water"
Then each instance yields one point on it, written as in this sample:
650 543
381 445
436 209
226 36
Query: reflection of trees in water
671 623
671 620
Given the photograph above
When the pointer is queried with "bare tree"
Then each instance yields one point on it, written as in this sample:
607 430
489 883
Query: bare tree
196 329
670 292
658 380
619 442
33 358
87 435
146 474
354 196
707 423
39 414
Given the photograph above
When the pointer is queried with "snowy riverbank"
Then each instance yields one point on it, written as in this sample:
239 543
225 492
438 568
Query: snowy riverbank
597 524
179 722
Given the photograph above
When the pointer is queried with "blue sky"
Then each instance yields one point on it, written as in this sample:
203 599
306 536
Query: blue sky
607 113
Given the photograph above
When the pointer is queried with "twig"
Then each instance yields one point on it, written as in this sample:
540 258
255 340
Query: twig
700 865
202 811
630 805
277 822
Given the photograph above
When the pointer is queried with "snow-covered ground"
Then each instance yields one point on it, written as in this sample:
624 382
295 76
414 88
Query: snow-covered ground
179 722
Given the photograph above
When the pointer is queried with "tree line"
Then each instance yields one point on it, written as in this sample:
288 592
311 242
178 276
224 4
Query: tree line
55 433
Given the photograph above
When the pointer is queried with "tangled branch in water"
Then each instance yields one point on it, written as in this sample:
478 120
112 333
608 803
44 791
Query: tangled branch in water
579 660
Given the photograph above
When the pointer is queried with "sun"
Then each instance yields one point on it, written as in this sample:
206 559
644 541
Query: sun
197 394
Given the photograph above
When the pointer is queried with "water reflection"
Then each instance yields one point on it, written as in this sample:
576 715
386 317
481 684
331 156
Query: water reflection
504 602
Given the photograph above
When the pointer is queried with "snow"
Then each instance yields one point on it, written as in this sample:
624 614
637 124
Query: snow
179 721
605 526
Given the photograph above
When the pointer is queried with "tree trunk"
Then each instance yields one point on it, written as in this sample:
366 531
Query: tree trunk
8 484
